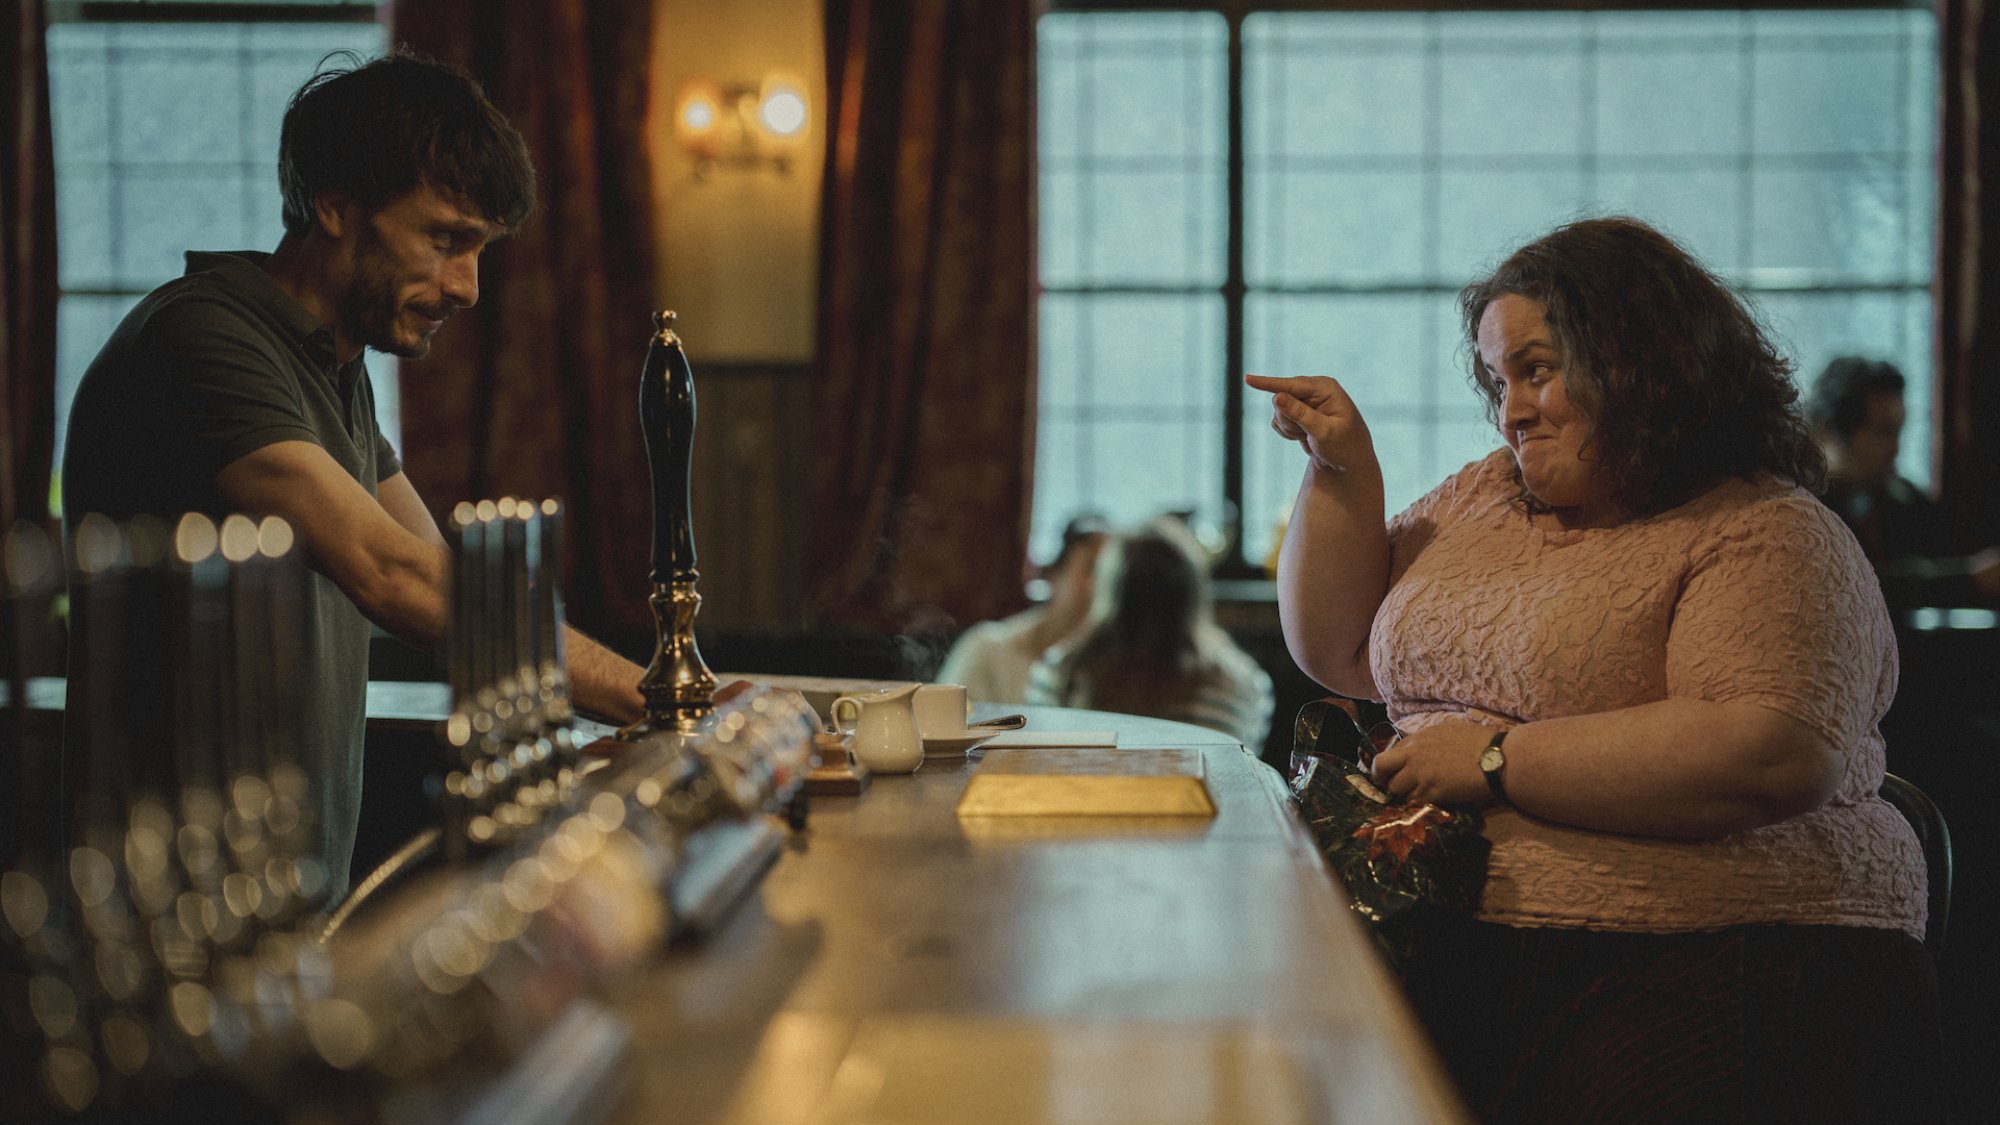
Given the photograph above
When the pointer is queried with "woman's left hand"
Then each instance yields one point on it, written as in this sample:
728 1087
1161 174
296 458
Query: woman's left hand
1438 764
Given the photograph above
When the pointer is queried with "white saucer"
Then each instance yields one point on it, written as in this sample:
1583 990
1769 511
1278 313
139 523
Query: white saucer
820 691
956 745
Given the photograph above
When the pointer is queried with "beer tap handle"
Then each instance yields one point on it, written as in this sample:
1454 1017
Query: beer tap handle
678 688
488 618
458 633
242 706
666 412
521 663
118 713
549 612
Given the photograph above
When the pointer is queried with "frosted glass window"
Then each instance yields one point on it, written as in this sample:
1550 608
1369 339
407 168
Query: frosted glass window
1700 202
1390 157
1128 409
1134 198
1371 104
166 140
1793 208
1510 99
1422 415
1658 96
1486 209
1134 149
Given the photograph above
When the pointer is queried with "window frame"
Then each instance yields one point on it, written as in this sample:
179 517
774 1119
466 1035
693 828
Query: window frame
61 12
65 13
1235 289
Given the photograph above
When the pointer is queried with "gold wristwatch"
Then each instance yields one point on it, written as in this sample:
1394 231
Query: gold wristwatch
1491 761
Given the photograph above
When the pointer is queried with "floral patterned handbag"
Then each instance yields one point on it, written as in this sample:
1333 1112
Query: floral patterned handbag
1402 863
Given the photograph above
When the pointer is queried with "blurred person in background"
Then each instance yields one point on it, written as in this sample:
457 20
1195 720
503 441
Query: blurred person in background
1857 414
1151 646
992 658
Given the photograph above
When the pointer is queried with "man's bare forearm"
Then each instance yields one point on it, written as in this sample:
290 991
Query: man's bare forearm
604 684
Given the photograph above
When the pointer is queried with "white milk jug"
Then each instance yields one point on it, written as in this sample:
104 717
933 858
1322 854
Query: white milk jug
884 725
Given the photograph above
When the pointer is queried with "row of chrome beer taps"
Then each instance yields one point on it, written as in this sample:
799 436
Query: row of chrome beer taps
511 754
165 938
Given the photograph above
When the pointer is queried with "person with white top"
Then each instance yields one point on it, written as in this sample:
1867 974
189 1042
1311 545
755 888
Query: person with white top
992 658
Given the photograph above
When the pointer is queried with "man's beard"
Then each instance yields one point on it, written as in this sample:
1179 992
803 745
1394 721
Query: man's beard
371 310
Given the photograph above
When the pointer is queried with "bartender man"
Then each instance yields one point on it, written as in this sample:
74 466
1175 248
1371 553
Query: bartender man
241 386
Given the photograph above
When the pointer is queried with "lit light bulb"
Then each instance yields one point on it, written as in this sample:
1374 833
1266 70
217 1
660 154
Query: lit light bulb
783 110
698 119
698 115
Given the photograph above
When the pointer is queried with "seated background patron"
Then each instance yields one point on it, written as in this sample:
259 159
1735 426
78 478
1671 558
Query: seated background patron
1659 663
1151 645
992 658
1921 556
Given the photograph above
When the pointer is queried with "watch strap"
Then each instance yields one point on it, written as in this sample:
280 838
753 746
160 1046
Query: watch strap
1493 781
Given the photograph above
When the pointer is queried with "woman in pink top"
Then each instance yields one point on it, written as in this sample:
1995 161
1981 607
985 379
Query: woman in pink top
1658 662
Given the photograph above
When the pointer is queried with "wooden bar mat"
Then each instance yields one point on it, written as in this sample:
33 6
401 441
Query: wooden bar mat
1090 781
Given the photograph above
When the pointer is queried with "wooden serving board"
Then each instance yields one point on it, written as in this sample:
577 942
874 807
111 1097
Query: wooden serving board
1088 781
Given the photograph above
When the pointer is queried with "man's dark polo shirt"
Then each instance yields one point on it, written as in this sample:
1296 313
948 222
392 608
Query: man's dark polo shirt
207 368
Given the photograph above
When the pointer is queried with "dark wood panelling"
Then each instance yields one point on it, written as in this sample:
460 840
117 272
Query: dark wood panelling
753 446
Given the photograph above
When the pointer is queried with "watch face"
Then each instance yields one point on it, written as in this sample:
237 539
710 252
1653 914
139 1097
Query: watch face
1491 759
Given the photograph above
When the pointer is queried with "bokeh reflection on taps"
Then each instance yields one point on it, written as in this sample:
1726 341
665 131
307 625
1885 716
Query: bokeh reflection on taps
179 944
156 934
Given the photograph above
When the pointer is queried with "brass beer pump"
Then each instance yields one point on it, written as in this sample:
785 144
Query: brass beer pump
679 688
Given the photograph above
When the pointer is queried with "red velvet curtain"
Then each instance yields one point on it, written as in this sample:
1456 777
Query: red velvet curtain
926 349
27 268
534 391
1968 305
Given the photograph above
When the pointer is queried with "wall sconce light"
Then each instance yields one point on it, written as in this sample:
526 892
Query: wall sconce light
738 125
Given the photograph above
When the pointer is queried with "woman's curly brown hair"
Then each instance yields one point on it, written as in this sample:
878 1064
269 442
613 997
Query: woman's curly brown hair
1681 386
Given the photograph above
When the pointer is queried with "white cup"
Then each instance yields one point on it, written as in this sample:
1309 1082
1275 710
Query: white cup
941 711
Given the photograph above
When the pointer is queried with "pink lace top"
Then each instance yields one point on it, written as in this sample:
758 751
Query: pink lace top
1752 592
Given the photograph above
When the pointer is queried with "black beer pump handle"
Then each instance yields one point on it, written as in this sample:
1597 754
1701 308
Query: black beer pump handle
666 411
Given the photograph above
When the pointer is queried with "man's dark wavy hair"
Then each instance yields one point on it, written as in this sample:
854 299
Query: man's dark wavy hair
378 130
1680 384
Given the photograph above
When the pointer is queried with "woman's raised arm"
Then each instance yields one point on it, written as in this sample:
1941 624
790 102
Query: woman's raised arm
1333 569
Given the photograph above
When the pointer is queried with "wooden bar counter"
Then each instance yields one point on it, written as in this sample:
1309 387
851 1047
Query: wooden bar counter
898 964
